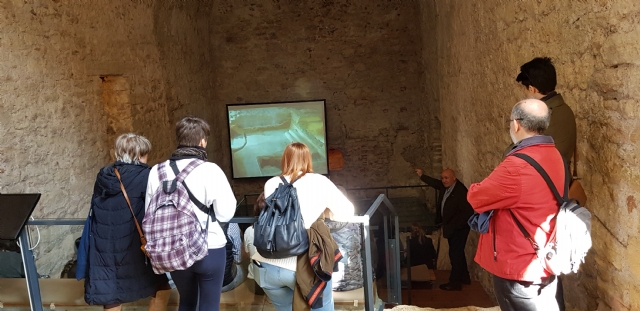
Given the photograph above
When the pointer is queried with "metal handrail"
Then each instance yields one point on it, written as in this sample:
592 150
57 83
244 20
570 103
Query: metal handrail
33 286
388 187
392 247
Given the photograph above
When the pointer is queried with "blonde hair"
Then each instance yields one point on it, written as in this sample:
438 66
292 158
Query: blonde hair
296 161
417 231
130 147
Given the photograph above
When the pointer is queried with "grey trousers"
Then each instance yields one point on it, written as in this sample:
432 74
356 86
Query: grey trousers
526 296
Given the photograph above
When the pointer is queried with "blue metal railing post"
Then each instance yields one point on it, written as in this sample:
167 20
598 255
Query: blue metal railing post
31 274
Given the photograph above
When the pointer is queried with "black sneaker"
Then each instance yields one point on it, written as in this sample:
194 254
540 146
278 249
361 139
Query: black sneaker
451 287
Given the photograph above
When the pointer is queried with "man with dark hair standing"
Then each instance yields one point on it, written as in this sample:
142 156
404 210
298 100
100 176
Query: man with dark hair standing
453 211
538 77
515 190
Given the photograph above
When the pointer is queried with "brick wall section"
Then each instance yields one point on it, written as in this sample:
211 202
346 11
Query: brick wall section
594 44
431 90
363 57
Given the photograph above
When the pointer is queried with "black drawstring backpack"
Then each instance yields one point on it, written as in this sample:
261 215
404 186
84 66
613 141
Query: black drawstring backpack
280 231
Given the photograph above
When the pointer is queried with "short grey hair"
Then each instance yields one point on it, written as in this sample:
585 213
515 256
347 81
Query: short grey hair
531 122
130 147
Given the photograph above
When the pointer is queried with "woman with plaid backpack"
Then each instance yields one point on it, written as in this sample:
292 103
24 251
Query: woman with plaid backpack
210 199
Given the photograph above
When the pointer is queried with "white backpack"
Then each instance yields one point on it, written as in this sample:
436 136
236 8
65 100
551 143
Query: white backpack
571 238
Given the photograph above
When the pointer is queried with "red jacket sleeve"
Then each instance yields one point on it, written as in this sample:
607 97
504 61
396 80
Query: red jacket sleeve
502 189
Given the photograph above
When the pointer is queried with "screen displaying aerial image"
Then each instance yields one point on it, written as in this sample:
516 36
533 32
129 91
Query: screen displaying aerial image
259 133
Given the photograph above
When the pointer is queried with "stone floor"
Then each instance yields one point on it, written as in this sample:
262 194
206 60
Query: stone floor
67 294
266 307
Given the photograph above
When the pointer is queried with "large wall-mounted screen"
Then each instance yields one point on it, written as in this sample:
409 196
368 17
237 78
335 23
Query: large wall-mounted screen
258 134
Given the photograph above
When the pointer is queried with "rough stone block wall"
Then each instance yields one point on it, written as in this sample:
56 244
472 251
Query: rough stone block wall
363 57
595 47
73 76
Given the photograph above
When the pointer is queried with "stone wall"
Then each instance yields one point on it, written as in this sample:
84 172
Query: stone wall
594 45
73 76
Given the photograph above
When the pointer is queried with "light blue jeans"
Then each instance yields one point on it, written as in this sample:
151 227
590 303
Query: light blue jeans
279 283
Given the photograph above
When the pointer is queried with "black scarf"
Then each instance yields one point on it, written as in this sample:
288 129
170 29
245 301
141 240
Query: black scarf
189 152
548 96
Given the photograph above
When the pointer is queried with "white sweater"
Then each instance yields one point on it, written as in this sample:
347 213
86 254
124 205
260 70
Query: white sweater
209 185
250 249
315 193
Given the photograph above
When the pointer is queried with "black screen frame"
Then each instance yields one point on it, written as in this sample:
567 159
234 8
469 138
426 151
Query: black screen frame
36 199
326 136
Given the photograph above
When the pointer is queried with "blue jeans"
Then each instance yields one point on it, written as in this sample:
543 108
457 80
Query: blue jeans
279 283
201 283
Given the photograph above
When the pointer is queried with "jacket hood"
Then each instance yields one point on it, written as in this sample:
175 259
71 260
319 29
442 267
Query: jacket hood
107 183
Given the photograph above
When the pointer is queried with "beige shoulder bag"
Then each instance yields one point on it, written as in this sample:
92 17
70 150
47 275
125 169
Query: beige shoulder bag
575 190
143 240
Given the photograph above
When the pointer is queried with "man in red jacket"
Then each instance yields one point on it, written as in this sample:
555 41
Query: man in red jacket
519 280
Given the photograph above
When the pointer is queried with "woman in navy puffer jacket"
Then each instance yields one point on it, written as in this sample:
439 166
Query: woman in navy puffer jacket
118 271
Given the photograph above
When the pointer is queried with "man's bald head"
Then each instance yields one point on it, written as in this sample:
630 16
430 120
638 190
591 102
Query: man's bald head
449 172
448 177
533 115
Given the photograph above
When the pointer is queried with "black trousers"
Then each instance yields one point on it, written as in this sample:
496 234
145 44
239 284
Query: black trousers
459 269
526 296
560 295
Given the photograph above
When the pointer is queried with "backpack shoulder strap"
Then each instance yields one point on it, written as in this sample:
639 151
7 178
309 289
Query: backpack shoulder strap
545 176
162 171
526 234
181 175
284 180
553 188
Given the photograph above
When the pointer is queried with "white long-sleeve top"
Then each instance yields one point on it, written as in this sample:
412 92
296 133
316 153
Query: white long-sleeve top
209 185
250 249
315 193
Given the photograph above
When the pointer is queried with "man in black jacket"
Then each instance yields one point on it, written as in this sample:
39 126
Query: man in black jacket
452 213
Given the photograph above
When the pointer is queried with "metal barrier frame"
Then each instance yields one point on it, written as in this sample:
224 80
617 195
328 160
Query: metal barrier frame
391 247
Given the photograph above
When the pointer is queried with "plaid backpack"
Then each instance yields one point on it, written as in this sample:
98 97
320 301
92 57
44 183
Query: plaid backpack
175 237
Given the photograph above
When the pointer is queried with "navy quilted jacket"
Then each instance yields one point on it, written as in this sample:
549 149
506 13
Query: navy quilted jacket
118 270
